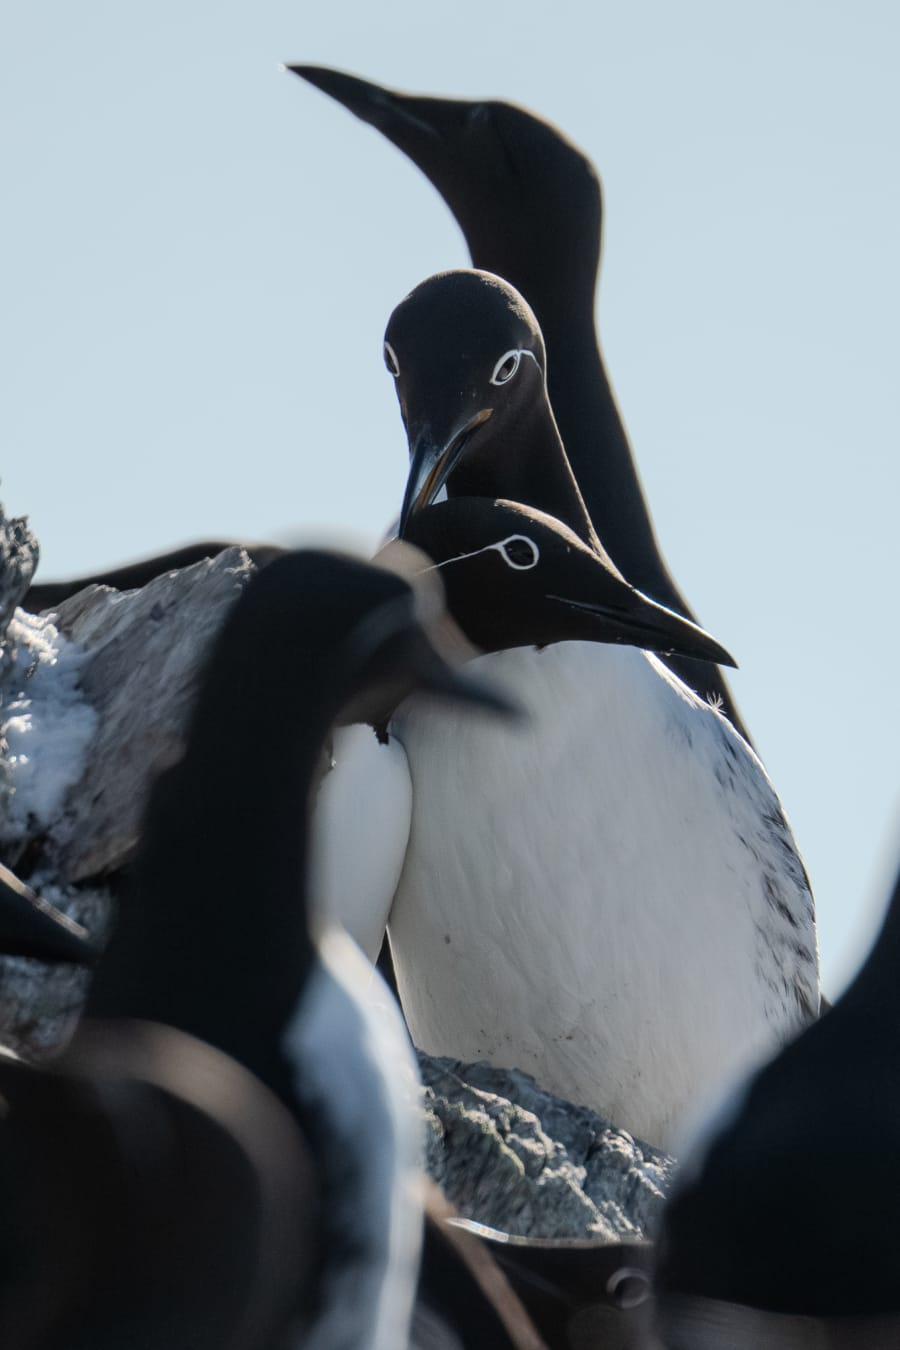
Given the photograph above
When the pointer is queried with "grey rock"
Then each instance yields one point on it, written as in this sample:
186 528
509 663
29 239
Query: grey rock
143 655
18 560
514 1157
146 650
40 1004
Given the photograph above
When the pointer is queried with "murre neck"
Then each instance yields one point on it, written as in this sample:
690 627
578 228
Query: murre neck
198 890
532 465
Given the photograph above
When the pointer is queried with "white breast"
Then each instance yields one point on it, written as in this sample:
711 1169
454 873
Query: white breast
608 896
354 1073
360 835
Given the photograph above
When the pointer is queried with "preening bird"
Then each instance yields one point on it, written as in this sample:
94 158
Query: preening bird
609 896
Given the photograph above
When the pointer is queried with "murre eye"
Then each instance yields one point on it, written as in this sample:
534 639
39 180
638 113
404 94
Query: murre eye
628 1288
390 360
506 367
519 553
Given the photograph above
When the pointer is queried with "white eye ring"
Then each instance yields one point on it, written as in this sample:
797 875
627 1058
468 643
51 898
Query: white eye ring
501 547
390 360
628 1287
511 359
516 564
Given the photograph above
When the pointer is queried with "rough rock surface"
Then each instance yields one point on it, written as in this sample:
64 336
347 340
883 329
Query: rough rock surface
40 1004
18 559
141 656
522 1160
146 650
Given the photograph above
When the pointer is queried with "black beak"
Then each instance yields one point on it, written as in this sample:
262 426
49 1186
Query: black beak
641 622
432 460
31 926
403 118
436 675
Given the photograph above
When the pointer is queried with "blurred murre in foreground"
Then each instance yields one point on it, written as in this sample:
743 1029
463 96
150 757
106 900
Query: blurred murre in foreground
782 1227
228 1148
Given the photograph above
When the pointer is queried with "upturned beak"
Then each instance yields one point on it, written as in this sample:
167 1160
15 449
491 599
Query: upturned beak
432 460
403 118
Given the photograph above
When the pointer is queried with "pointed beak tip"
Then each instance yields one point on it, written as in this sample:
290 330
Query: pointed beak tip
482 694
318 76
713 651
710 652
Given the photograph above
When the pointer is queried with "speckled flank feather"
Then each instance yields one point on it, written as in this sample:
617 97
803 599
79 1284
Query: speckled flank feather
607 896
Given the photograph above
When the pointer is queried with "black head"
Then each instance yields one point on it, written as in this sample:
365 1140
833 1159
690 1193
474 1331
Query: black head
224 831
516 577
525 197
468 360
314 630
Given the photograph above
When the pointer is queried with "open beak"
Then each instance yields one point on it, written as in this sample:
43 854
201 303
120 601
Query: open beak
432 460
641 622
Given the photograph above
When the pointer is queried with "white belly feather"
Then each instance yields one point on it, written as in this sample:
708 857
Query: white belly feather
607 896
360 835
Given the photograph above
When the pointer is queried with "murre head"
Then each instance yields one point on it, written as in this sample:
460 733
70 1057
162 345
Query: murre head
468 360
527 200
516 577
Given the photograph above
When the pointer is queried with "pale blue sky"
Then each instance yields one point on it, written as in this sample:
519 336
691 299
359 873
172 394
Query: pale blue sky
200 255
